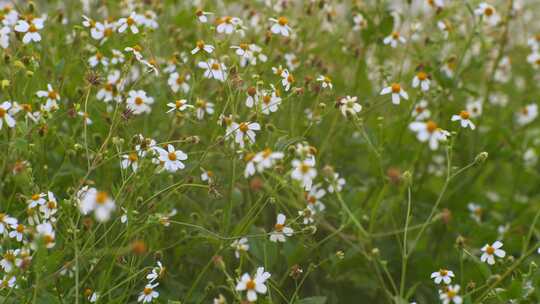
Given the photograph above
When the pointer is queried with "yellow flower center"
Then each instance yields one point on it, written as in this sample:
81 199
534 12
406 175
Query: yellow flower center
35 197
244 46
147 290
2 112
266 99
130 21
20 228
138 101
250 285
32 28
431 126
490 250
51 205
53 95
443 272
396 88
450 294
395 35
243 127
200 44
304 168
464 115
279 227
215 66
488 11
172 156
132 157
422 76
282 21
101 197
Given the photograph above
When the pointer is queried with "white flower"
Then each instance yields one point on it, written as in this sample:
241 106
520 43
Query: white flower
349 106
177 82
46 232
488 12
9 281
98 58
397 93
30 28
4 37
97 29
280 26
244 130
287 79
281 232
171 158
325 81
8 260
90 199
393 39
476 211
5 116
52 98
450 294
313 198
474 108
179 105
201 46
130 159
213 69
36 199
227 24
138 102
148 294
240 245
421 79
255 285
17 232
359 22
156 272
201 16
304 172
266 159
429 131
527 114
50 208
110 91
443 275
270 102
463 118
130 22
203 107
6 221
420 111
490 251
336 183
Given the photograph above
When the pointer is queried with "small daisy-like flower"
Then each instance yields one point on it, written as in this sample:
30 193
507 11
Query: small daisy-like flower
207 176
307 215
420 111
213 69
280 26
397 93
245 130
443 275
490 251
266 159
110 91
527 114
287 79
421 79
281 232
325 81
179 105
476 211
171 158
348 106
252 97
313 198
90 199
304 172
450 294
227 24
177 82
130 160
201 46
86 117
5 115
97 59
30 27
463 118
336 183
46 232
474 108
201 16
138 102
8 281
36 199
8 260
359 21
148 294
270 102
240 246
429 131
17 232
156 273
488 13
203 107
394 39
6 221
52 98
131 22
50 208
97 29
253 285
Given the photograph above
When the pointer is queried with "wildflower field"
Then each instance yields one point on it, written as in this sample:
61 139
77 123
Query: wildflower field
270 151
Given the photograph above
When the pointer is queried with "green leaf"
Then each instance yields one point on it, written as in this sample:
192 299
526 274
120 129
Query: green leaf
312 300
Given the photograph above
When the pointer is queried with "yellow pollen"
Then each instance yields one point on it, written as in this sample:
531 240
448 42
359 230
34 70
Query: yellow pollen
20 228
32 28
443 272
35 197
451 294
132 157
215 66
282 21
200 44
395 35
431 126
266 99
464 114
244 46
267 152
290 78
490 250
2 112
51 205
422 76
172 156
130 21
53 95
304 168
250 284
101 197
488 11
396 88
147 290
138 101
243 127
279 227
48 239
